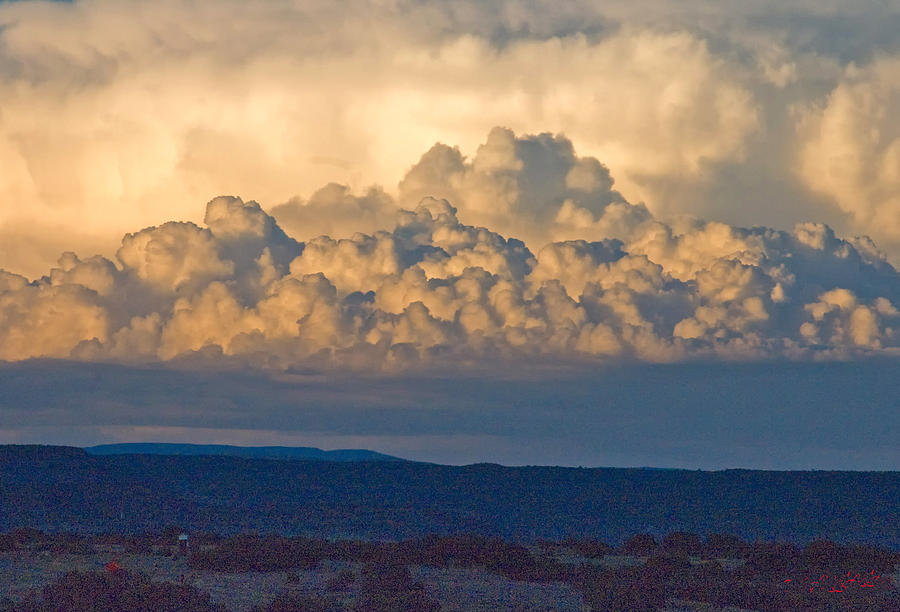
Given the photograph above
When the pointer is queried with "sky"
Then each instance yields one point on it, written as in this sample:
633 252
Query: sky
583 233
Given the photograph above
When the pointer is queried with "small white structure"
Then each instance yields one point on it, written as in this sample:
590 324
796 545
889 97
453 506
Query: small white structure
183 546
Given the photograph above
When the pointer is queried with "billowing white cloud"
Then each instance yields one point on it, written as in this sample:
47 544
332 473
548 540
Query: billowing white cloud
434 291
335 210
851 149
119 115
534 187
174 256
49 321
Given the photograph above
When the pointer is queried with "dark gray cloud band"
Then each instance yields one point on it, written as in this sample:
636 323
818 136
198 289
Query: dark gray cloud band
784 415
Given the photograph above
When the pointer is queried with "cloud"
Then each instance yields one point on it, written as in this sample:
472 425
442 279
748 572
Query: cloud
771 415
851 149
534 187
435 292
335 210
119 115
49 321
174 256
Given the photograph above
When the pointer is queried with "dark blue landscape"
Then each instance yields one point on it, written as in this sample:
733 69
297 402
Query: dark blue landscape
67 489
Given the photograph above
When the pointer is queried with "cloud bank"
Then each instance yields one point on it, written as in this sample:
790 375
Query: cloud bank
450 285
116 115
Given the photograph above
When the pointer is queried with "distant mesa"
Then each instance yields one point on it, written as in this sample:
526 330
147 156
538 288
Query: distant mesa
304 453
38 452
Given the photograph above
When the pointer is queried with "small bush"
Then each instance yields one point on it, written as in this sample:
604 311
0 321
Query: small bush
389 587
342 581
70 544
7 543
640 545
587 547
682 544
287 602
257 554
120 591
723 546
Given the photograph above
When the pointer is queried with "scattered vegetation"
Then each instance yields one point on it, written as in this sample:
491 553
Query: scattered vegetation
260 554
119 591
343 581
719 570
290 602
387 586
589 547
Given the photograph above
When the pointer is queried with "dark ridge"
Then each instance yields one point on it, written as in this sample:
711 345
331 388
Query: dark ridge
255 452
66 489
38 452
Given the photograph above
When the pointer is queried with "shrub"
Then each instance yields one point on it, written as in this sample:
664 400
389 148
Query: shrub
7 543
342 581
625 590
66 543
663 568
707 582
682 544
257 554
723 546
495 555
590 548
287 602
772 561
389 587
120 591
640 545
138 545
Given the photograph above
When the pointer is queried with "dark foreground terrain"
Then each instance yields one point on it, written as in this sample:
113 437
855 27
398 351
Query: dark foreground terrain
253 573
67 489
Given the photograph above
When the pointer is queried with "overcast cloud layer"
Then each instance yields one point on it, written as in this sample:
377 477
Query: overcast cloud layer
120 115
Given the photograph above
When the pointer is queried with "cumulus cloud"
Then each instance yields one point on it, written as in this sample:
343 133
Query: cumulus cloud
534 187
335 210
49 321
174 256
119 115
436 289
851 149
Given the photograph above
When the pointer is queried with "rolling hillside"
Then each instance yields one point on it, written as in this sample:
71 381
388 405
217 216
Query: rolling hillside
62 488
